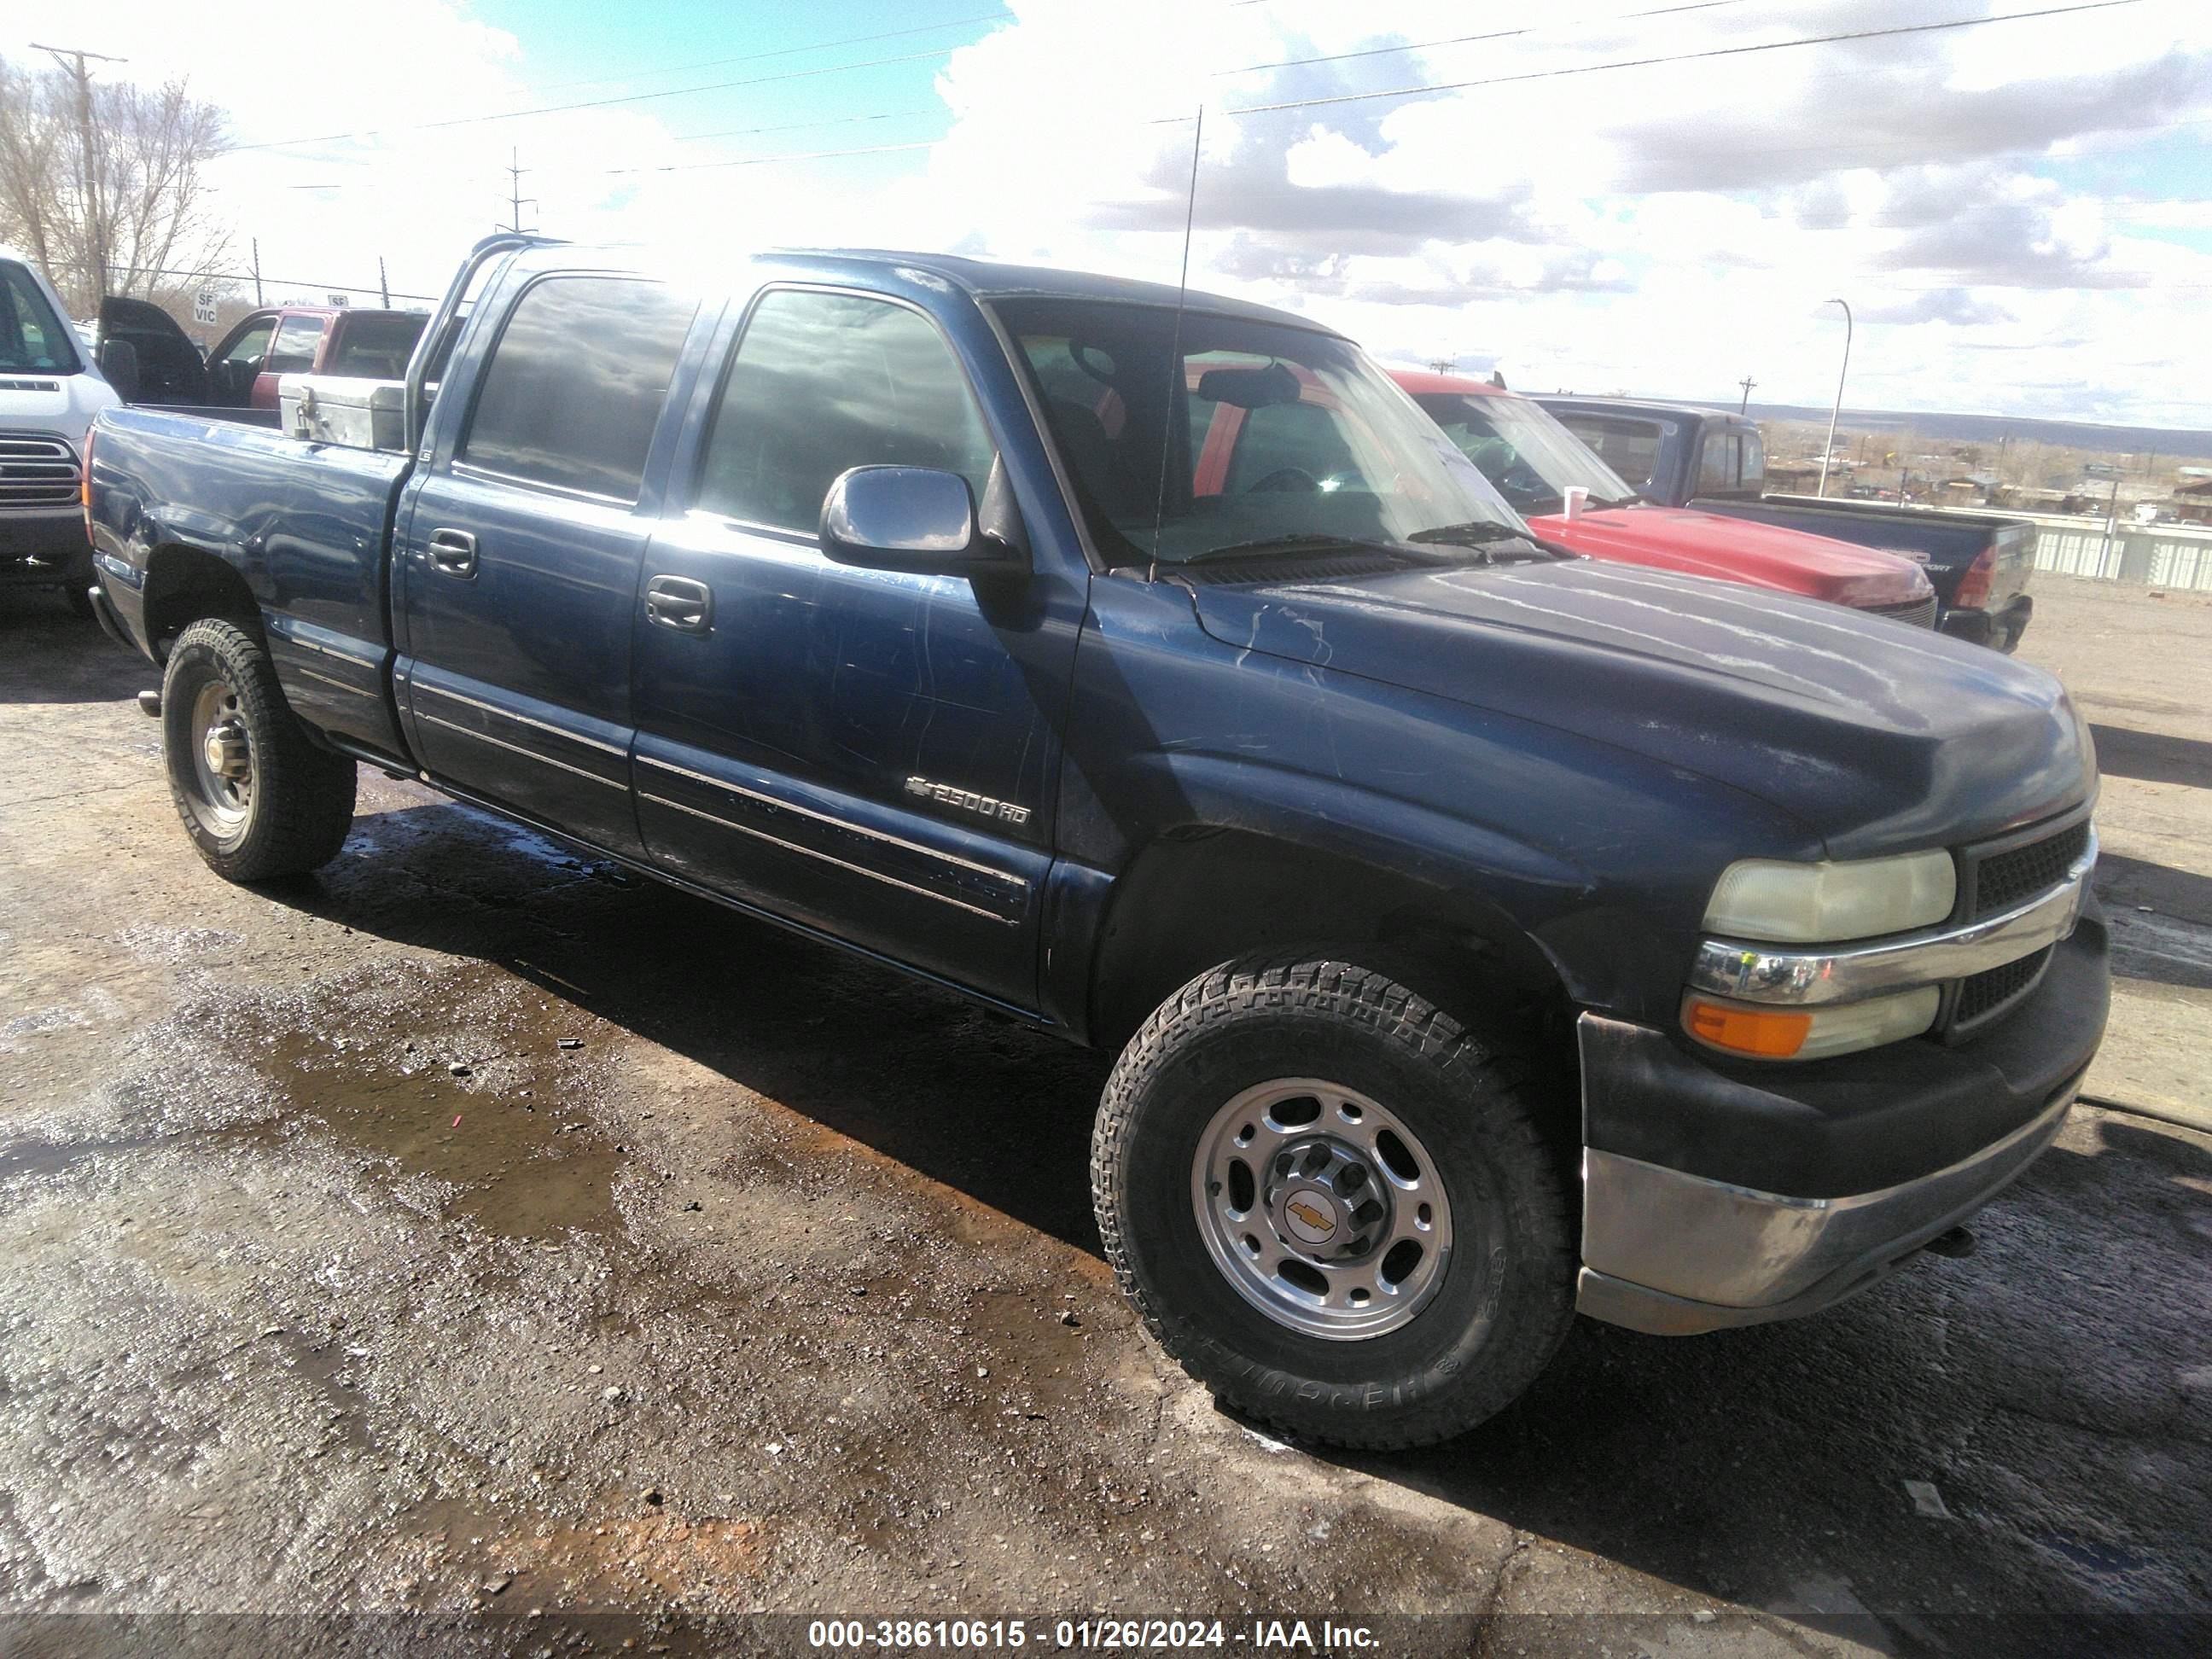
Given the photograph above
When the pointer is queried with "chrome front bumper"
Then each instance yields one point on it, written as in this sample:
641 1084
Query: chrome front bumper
1814 976
1674 1253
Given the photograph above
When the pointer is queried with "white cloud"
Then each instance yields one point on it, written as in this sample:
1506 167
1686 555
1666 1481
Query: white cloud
1665 229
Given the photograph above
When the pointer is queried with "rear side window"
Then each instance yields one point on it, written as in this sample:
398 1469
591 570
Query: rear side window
575 386
1753 476
1716 462
293 351
822 382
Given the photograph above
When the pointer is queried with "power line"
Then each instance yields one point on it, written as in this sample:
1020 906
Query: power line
770 161
1471 39
601 103
1426 88
787 51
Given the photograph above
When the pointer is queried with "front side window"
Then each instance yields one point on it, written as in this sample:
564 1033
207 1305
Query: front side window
32 337
293 351
251 346
1272 436
575 385
1524 450
823 382
1629 447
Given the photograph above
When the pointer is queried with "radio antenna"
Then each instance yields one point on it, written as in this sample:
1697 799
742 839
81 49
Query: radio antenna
1175 351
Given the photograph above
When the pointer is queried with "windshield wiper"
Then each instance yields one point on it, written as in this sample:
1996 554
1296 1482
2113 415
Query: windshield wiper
1482 534
1299 543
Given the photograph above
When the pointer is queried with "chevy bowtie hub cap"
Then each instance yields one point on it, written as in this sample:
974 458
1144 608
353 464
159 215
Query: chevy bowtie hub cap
1322 1208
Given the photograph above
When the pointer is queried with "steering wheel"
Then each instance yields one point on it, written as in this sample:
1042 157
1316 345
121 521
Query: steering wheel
1284 479
1078 352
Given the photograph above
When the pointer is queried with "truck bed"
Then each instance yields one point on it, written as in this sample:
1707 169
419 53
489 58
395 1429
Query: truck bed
305 523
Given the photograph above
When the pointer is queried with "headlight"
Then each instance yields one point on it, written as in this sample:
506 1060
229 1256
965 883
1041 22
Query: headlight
1793 903
1764 1032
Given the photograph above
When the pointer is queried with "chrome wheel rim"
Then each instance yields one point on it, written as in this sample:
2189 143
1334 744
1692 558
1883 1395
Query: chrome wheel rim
1322 1208
221 752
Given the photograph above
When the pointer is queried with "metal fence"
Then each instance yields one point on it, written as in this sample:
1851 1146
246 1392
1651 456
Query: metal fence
2148 555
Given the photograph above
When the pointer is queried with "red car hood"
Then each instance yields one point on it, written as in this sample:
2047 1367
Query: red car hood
1740 551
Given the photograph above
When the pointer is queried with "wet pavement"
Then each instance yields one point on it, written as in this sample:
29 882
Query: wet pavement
475 1229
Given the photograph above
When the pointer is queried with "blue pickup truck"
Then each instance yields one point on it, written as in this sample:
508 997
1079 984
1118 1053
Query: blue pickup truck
1683 455
1485 934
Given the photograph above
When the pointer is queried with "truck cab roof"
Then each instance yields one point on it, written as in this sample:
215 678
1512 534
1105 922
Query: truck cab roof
1641 406
982 279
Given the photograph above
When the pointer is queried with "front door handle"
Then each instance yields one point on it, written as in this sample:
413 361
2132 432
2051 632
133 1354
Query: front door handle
453 552
680 603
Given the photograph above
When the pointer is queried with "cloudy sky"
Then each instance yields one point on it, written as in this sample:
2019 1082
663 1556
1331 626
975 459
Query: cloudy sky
1654 196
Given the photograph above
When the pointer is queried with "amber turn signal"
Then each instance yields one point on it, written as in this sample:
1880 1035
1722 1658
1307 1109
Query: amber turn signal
1768 1033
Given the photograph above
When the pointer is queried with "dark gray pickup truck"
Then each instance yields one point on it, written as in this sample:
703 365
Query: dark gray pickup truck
1681 455
1484 934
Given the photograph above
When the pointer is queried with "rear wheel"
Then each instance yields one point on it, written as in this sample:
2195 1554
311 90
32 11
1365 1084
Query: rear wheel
1331 1204
258 797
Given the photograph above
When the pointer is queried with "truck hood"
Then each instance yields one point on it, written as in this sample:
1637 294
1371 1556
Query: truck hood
1875 735
1740 551
60 404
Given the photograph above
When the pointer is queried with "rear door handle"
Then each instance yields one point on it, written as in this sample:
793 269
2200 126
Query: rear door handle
680 603
453 552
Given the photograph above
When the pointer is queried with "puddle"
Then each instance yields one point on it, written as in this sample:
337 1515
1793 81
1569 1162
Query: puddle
521 1167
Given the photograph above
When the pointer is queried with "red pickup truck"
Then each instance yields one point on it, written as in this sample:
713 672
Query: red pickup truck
242 369
1533 460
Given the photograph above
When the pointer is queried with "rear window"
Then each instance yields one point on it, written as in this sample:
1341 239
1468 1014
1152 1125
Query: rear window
1630 448
33 339
575 386
376 348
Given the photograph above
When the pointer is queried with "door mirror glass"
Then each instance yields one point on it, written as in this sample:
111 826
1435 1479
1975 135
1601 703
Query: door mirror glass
119 362
907 518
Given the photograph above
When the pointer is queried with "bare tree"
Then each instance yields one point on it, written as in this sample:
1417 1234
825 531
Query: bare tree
103 184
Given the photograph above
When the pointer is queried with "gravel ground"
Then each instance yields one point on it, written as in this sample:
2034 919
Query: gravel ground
475 1233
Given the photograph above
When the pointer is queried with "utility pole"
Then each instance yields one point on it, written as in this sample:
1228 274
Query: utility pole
2111 522
1837 412
257 271
383 283
1747 383
1443 365
72 60
516 198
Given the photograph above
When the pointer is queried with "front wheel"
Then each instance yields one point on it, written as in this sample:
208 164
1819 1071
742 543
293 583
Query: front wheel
1331 1203
258 797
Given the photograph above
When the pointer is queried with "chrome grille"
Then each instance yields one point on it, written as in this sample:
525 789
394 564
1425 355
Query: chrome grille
37 469
1919 614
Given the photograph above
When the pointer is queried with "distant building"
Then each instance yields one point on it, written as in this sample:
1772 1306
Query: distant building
2192 502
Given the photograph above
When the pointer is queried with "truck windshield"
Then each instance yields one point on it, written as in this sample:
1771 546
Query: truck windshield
1276 438
1524 451
33 339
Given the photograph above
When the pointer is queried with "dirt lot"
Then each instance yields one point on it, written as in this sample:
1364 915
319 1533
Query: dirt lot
474 1230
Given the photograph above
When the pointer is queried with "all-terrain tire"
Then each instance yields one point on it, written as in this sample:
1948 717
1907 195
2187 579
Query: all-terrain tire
295 808
1504 1299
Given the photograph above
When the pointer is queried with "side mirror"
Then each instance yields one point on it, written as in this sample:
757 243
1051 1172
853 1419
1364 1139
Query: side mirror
119 362
911 518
